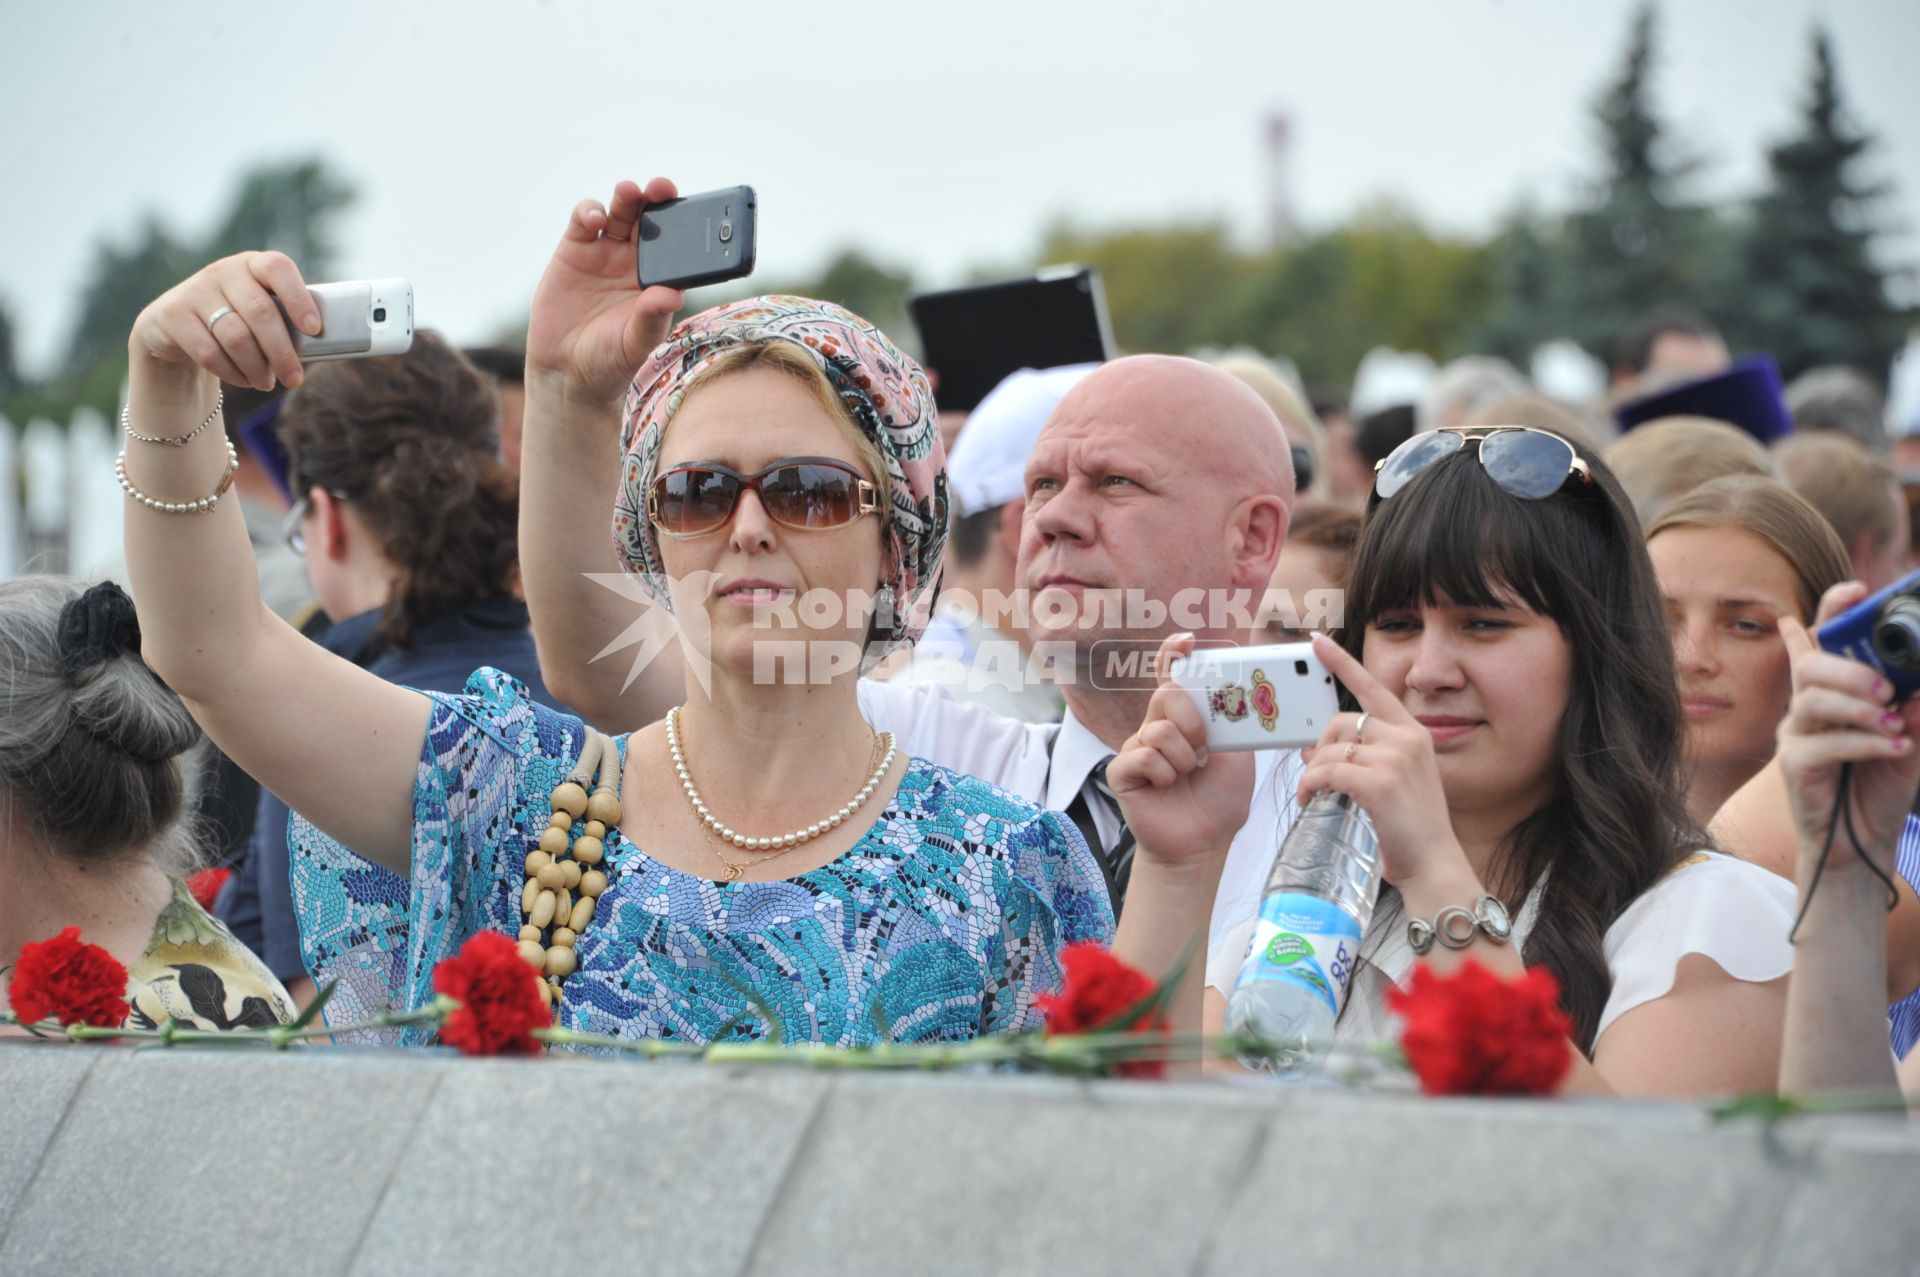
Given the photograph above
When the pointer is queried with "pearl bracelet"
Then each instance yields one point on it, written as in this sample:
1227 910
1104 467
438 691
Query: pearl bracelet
174 441
202 506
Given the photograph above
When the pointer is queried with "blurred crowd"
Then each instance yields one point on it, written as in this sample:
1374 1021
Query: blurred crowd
371 687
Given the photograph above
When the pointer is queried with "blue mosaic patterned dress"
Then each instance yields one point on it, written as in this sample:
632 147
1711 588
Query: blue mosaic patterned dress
943 922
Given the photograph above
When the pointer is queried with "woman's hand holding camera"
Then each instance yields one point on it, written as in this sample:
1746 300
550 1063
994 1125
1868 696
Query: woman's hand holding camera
1840 713
592 325
223 319
1389 769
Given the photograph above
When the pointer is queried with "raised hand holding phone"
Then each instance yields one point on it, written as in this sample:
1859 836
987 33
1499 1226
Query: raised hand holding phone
227 319
1843 712
592 324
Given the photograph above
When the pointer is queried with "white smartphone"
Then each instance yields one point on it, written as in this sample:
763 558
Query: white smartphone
358 317
1274 697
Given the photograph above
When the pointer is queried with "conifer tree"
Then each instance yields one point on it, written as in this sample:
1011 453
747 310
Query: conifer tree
1809 290
1637 244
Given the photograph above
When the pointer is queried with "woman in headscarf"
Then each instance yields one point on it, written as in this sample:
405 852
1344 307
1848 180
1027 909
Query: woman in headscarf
762 854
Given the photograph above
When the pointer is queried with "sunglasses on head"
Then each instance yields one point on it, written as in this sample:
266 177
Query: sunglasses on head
807 493
1527 462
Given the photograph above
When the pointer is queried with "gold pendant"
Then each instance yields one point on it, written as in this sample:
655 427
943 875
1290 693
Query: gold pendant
734 871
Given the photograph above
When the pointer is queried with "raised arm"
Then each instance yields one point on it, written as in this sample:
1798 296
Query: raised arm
1836 1033
591 327
1757 824
338 744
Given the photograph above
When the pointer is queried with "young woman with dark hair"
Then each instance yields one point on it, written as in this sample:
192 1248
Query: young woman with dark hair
1518 745
403 505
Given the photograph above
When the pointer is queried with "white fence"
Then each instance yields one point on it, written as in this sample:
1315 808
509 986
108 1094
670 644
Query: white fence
60 509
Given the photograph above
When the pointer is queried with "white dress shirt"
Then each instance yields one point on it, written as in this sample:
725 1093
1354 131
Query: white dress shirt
972 661
1023 759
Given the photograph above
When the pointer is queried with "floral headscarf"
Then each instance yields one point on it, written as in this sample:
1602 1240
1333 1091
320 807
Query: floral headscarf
884 391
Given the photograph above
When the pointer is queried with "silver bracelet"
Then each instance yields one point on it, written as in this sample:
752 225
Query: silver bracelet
202 506
175 441
1456 926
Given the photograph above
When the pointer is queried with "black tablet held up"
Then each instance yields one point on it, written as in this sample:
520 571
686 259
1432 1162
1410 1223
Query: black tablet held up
974 338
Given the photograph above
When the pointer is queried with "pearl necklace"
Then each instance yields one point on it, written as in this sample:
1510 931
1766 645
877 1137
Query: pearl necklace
782 841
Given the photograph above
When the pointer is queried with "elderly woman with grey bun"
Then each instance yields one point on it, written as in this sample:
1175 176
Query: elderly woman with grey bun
99 764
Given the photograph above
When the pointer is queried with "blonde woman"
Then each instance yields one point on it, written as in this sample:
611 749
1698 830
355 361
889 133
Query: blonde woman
1735 557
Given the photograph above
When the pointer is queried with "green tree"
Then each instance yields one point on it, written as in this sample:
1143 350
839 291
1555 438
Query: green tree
1381 279
292 207
1636 244
120 284
10 381
1525 263
876 293
1811 293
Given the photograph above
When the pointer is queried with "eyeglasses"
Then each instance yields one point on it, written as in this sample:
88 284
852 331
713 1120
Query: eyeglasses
808 493
1527 462
290 526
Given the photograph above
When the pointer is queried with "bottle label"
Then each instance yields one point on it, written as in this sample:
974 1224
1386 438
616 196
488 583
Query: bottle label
1305 940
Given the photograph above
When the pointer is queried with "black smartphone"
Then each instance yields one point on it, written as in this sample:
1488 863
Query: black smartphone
974 337
698 239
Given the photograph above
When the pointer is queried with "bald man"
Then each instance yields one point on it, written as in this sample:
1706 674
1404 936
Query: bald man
1159 484
1169 481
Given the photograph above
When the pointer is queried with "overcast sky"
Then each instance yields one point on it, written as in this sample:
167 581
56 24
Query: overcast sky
937 136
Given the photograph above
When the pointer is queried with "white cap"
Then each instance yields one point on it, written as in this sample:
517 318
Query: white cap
988 465
1388 377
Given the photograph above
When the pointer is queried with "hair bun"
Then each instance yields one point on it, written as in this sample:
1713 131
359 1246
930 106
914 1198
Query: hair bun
99 626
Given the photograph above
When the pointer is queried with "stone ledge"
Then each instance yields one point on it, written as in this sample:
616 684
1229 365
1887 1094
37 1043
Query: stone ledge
339 1162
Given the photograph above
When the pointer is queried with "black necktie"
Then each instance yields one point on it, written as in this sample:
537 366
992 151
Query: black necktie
1116 864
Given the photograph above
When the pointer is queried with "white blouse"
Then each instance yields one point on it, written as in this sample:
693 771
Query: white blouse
1729 911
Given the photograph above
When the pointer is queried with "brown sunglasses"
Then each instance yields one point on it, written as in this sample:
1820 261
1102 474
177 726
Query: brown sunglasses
808 493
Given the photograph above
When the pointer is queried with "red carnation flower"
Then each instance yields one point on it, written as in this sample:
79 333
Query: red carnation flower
499 997
1472 1033
1098 991
69 980
205 886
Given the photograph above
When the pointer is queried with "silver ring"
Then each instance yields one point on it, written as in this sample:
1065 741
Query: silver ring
1360 730
218 315
618 239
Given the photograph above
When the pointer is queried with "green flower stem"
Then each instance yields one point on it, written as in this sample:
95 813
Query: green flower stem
1775 1108
1085 1054
281 1036
646 1048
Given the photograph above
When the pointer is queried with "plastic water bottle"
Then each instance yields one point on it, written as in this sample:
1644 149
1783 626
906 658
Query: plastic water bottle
1319 899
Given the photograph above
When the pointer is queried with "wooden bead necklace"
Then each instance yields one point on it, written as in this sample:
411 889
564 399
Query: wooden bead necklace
779 842
559 897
